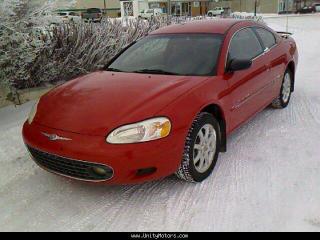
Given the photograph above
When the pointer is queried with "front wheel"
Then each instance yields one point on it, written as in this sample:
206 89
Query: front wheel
202 149
282 101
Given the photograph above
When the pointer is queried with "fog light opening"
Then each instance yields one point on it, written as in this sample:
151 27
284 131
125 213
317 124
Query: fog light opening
146 171
100 171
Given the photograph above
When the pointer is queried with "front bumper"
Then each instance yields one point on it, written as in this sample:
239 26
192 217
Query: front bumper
127 161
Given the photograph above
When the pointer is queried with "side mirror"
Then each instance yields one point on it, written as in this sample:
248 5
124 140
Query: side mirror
238 65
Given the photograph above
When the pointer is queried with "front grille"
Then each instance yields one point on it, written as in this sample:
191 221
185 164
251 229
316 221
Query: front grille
70 168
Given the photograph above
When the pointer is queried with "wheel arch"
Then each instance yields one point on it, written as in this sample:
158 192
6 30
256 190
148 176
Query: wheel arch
218 113
292 67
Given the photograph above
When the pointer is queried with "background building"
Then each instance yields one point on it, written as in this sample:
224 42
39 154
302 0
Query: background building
116 8
110 7
183 7
177 7
263 6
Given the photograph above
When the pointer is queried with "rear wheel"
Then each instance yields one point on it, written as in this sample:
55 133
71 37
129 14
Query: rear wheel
210 14
282 101
202 149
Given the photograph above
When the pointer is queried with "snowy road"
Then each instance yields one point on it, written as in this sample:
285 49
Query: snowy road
268 181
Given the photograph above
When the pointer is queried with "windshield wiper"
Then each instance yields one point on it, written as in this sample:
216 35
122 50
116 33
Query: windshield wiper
113 70
155 71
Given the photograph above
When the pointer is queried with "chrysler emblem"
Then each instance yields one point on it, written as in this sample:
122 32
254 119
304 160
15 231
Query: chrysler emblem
55 137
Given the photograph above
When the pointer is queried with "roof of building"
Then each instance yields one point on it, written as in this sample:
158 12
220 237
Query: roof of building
220 26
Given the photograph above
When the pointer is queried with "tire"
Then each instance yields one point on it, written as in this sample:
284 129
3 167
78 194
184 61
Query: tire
210 15
190 170
283 100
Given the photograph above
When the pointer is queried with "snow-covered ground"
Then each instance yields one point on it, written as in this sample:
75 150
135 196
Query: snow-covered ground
269 180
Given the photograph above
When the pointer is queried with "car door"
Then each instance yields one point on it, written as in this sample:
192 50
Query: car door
246 87
275 61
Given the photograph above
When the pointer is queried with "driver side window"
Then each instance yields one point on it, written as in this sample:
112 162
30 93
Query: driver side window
244 46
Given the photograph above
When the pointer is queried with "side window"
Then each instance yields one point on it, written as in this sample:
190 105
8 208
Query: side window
245 45
267 37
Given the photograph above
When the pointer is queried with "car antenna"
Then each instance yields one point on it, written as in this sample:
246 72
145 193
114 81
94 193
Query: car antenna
287 25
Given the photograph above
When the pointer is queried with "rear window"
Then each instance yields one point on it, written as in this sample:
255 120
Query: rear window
94 10
62 14
74 14
267 37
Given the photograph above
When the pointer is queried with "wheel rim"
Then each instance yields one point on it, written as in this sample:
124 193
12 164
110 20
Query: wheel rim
205 148
286 88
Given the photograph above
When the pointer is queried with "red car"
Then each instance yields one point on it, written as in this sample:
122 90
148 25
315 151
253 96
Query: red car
164 105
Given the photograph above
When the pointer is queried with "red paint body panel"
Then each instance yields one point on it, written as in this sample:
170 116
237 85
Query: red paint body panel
97 103
87 109
124 159
202 26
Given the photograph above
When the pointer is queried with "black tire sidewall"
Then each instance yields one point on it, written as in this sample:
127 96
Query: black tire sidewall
205 119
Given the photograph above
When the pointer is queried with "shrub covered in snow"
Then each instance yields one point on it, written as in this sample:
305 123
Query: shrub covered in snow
42 54
73 49
246 16
20 43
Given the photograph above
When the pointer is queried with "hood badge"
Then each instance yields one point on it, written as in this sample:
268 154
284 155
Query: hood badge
55 137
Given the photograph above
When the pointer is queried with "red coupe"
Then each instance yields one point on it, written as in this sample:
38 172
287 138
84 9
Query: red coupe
164 105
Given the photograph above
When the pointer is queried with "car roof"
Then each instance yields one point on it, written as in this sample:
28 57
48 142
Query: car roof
220 26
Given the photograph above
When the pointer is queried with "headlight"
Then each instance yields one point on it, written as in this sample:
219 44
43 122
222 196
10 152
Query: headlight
145 131
33 112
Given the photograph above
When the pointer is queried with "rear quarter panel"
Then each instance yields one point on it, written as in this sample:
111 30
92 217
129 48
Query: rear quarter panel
289 53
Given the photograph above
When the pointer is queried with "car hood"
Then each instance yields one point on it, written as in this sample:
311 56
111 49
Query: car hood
97 103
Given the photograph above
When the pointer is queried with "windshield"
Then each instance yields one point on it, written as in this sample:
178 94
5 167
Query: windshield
174 54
